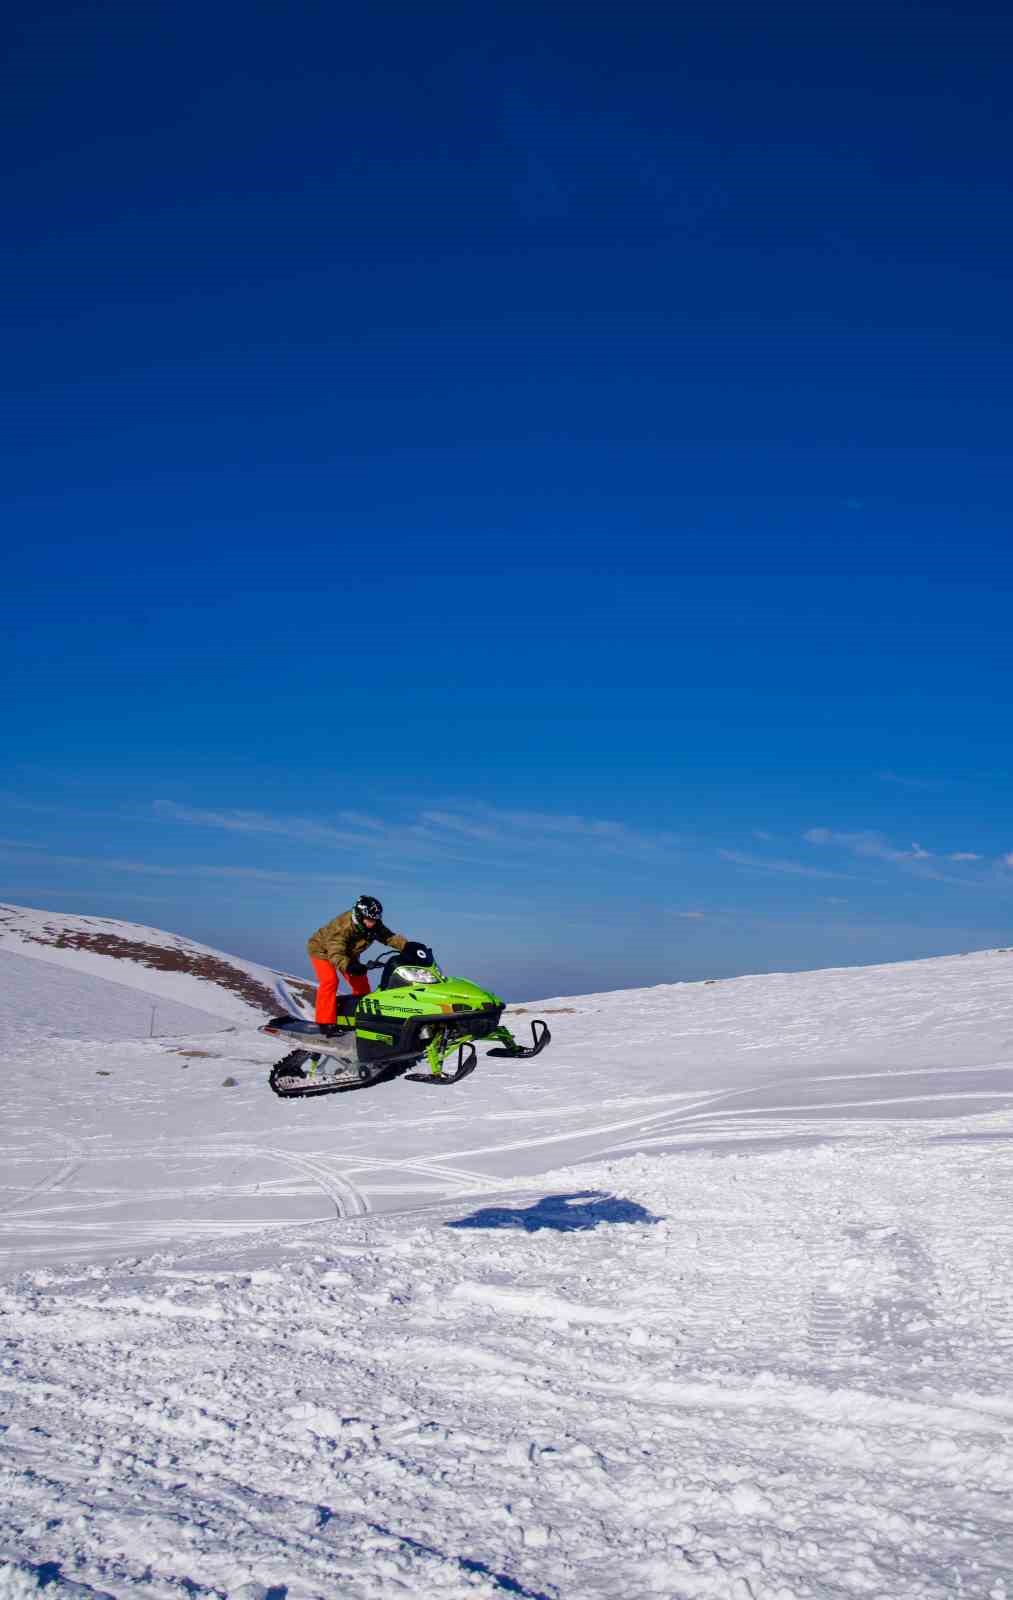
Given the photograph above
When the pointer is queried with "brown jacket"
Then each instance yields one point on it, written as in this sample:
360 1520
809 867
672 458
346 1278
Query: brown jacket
342 943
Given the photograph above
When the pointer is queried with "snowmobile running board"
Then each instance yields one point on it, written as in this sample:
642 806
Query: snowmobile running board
525 1052
414 1034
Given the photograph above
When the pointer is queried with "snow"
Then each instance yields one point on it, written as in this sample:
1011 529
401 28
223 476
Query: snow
712 1299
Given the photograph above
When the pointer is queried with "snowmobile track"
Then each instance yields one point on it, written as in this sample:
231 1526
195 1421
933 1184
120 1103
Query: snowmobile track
52 1181
348 1200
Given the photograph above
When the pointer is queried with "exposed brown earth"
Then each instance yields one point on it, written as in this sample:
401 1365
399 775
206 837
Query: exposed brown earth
306 991
547 1011
163 958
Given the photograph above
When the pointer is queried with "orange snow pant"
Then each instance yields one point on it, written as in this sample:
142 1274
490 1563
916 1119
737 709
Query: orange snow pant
327 987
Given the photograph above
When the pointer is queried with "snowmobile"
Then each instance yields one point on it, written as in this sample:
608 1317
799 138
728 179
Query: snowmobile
416 1013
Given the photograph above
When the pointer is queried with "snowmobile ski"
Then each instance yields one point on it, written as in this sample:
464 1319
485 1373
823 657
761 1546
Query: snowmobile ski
467 1061
539 1033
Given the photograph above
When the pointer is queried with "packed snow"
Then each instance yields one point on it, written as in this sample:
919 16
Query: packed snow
712 1299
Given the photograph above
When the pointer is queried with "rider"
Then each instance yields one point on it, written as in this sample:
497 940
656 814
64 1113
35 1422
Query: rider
336 947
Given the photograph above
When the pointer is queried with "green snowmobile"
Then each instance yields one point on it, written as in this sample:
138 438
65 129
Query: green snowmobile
416 1013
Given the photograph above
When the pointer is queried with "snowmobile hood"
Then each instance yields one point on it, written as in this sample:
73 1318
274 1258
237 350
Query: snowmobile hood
447 996
463 991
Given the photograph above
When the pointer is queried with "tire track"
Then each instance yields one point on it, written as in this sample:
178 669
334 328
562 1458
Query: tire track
347 1199
53 1181
434 1169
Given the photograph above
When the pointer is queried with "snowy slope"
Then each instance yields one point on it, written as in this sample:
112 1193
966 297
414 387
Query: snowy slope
712 1299
161 964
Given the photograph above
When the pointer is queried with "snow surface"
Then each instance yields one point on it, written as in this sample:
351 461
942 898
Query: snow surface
712 1299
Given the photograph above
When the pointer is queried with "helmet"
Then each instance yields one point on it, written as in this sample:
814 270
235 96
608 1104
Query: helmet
366 906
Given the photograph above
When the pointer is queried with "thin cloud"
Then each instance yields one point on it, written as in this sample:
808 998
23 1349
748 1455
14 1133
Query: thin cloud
481 825
155 869
463 825
867 843
306 830
906 782
45 808
110 895
506 826
530 830
914 858
310 831
793 868
357 819
42 808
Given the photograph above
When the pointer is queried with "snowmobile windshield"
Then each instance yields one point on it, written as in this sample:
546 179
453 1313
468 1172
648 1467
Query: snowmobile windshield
419 974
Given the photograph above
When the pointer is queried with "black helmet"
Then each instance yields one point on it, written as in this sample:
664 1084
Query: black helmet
366 906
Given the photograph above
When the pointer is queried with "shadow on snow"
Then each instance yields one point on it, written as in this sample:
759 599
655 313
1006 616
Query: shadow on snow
501 1580
567 1213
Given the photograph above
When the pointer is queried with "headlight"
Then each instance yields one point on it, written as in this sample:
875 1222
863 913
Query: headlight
416 974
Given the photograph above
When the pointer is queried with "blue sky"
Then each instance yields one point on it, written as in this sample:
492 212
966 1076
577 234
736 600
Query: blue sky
546 466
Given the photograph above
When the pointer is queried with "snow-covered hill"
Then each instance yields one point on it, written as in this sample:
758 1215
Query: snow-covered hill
163 965
712 1299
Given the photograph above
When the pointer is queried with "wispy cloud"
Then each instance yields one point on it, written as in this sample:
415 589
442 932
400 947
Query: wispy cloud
8 798
110 896
467 827
354 830
1007 860
505 827
913 857
768 864
438 828
357 819
693 916
905 781
155 869
867 843
46 808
